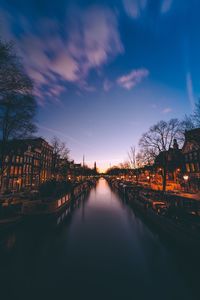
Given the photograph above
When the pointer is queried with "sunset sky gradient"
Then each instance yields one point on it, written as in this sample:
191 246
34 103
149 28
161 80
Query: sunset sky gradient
104 71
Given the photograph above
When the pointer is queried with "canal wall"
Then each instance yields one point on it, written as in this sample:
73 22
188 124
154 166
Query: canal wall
169 218
41 208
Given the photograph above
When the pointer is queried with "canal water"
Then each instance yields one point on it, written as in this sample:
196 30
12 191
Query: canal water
98 249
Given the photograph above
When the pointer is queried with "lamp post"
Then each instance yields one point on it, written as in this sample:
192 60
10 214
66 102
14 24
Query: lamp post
18 184
186 177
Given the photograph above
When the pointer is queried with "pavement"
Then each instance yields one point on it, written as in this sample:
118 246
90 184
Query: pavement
194 196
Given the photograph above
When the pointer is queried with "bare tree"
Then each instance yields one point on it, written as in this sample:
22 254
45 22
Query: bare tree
132 157
193 120
125 165
17 104
159 139
195 117
59 148
60 157
13 78
144 158
188 123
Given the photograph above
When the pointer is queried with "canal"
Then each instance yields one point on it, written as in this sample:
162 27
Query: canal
100 249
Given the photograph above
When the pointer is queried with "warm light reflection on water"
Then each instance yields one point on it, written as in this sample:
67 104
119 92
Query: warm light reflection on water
101 250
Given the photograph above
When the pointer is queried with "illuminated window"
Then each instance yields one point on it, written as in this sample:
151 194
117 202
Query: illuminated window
188 167
192 167
12 170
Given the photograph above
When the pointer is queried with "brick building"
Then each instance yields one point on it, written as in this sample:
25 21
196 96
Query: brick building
191 154
28 163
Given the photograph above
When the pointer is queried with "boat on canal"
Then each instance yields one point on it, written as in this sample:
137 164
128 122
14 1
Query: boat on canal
53 207
156 210
10 213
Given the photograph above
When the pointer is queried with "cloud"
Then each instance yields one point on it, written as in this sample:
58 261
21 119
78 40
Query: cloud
166 110
95 39
60 133
107 85
137 8
134 8
133 78
166 6
190 92
54 57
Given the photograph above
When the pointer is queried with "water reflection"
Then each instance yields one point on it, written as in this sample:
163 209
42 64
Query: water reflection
100 250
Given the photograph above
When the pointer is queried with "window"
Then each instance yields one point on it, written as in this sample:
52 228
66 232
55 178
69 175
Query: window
192 167
188 168
20 170
11 170
15 170
197 167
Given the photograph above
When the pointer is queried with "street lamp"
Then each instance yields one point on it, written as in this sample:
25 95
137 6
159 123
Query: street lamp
18 184
186 177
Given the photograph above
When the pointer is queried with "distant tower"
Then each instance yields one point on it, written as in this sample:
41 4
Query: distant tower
175 145
95 166
83 161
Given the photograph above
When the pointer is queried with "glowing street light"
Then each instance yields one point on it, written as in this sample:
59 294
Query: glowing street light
186 177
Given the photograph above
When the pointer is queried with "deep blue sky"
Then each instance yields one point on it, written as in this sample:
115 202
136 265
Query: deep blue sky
105 71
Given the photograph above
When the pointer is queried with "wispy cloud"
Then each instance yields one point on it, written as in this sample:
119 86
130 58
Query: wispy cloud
60 133
107 85
138 8
53 58
167 110
133 78
166 6
134 8
189 86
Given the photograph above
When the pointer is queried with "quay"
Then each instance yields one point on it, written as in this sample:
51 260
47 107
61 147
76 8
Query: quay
103 250
15 208
177 217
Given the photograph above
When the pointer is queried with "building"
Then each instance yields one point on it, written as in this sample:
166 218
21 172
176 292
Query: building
28 163
168 166
191 154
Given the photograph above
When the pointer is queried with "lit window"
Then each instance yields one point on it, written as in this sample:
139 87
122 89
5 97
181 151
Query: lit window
192 167
188 167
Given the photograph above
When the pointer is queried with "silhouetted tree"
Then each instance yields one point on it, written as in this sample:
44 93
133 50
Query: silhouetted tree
195 117
132 157
17 104
13 79
59 148
159 138
60 157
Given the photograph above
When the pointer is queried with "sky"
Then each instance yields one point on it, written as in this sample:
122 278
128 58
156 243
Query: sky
104 71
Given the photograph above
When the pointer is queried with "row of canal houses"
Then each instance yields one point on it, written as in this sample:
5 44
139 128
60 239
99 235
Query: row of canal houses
183 166
30 162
